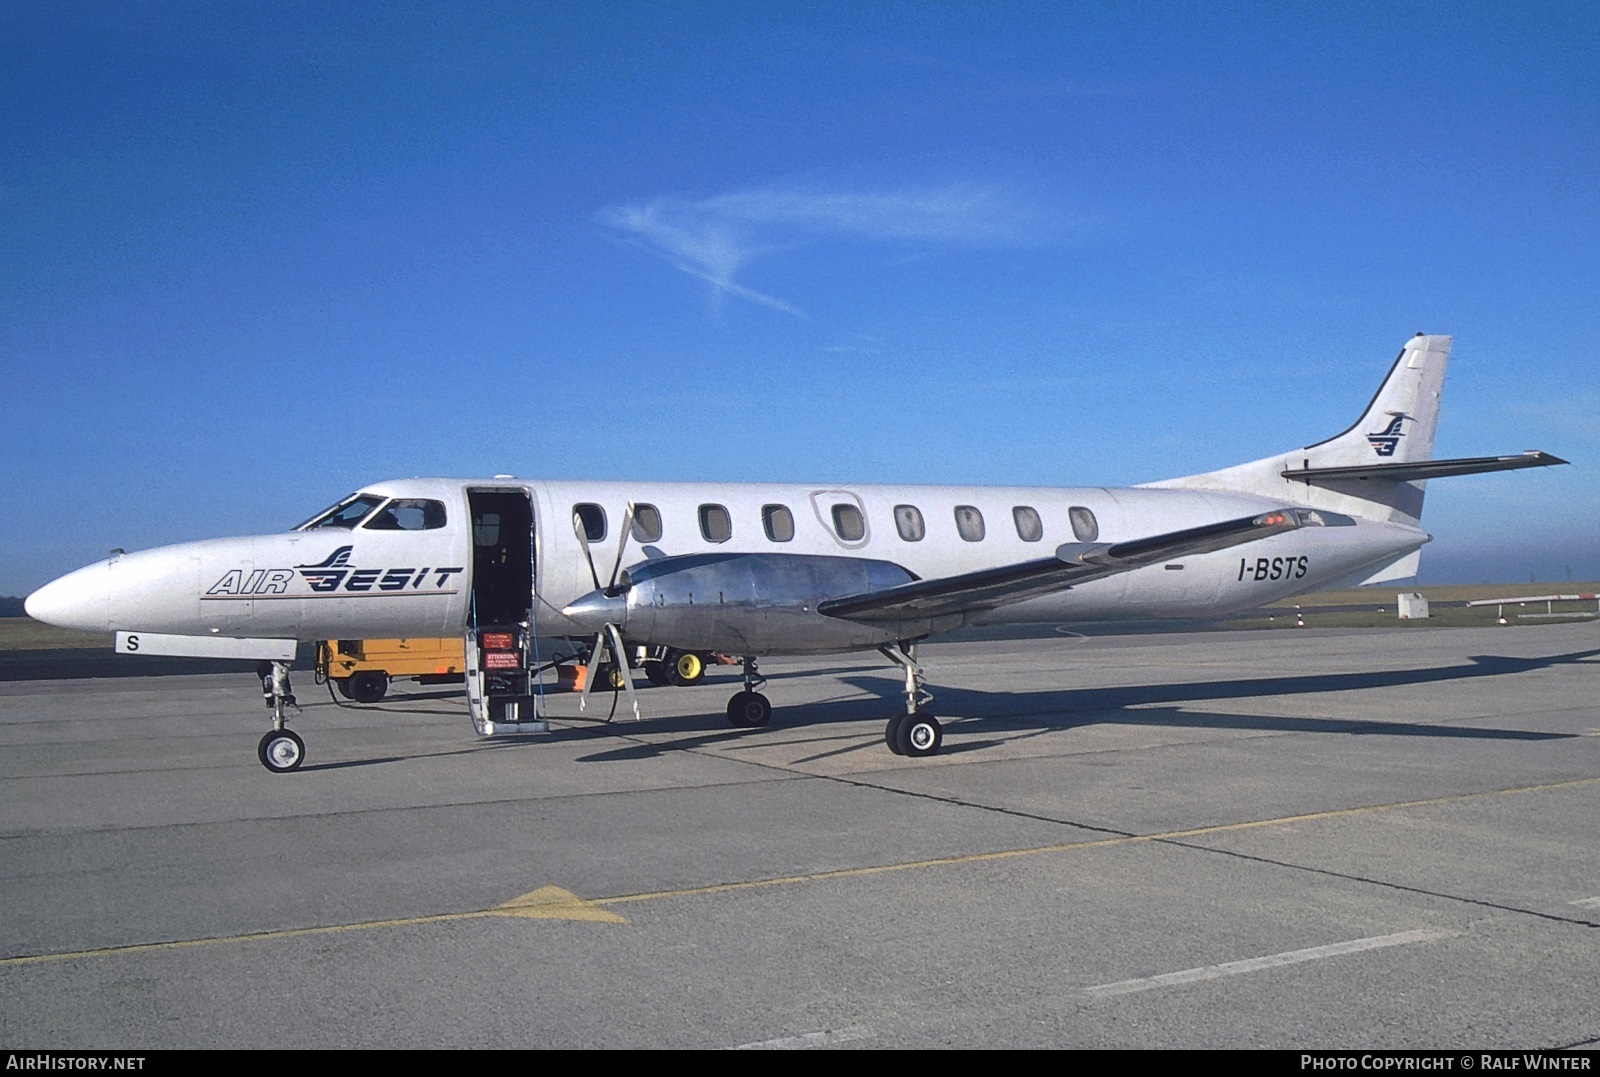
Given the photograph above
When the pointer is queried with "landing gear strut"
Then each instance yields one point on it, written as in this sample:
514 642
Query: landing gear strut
280 750
750 708
916 732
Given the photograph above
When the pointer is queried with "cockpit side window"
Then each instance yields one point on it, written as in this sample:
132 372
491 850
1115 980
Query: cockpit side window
407 514
345 515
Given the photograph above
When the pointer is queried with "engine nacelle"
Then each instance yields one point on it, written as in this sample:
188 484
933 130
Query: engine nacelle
751 604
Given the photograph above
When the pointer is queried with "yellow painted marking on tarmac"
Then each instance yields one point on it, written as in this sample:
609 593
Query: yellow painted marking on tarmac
552 902
545 903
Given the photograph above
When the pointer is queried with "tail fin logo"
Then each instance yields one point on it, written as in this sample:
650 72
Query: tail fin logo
1385 441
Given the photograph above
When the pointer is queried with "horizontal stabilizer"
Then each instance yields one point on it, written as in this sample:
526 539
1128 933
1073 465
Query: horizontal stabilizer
1074 563
1413 470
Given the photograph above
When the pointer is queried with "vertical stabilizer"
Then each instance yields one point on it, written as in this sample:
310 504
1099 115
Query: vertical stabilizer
1398 425
1396 428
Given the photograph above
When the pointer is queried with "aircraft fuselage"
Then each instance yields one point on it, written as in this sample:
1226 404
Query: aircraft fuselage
754 558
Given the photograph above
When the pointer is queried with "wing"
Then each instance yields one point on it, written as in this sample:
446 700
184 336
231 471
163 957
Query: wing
1073 564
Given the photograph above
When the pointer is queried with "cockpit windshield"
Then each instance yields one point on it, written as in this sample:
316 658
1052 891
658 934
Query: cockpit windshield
345 515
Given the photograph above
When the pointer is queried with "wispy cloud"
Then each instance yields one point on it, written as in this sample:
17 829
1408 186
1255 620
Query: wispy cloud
715 238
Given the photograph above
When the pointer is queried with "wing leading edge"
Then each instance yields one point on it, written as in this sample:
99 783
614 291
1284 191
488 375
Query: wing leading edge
1073 563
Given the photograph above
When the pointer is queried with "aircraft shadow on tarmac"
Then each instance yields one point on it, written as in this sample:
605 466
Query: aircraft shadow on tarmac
1059 709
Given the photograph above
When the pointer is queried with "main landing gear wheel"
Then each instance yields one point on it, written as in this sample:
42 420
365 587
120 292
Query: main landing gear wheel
891 733
749 709
916 735
685 668
281 751
368 686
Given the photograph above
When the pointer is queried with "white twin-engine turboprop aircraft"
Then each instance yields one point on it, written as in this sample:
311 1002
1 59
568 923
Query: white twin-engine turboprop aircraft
757 569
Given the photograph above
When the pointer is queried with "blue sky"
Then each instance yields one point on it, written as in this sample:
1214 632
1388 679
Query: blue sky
255 255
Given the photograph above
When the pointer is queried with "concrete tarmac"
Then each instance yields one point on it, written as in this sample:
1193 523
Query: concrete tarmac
1305 839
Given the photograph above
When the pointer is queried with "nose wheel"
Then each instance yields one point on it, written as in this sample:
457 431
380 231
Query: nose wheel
281 750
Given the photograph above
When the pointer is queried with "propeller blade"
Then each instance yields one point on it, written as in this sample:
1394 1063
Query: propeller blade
622 545
623 667
594 665
588 554
609 639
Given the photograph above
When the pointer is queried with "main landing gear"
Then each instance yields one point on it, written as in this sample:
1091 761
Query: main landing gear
916 732
280 750
750 708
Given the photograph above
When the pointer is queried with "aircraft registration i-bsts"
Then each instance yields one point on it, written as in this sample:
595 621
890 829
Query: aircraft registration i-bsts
757 569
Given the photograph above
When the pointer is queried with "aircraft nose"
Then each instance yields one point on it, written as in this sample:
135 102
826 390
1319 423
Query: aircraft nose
597 609
80 600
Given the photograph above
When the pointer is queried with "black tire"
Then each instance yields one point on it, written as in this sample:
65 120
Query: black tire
657 673
281 751
920 735
749 710
891 733
685 667
343 684
368 686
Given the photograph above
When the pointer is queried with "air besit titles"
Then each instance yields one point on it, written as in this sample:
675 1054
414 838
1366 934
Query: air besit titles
332 574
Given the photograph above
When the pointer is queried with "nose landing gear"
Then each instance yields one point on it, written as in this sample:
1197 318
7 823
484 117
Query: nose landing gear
280 750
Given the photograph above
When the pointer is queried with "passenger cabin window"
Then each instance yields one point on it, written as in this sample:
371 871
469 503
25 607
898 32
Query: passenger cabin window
646 523
1084 525
345 515
908 521
969 523
848 524
592 518
1029 527
407 514
715 524
778 522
